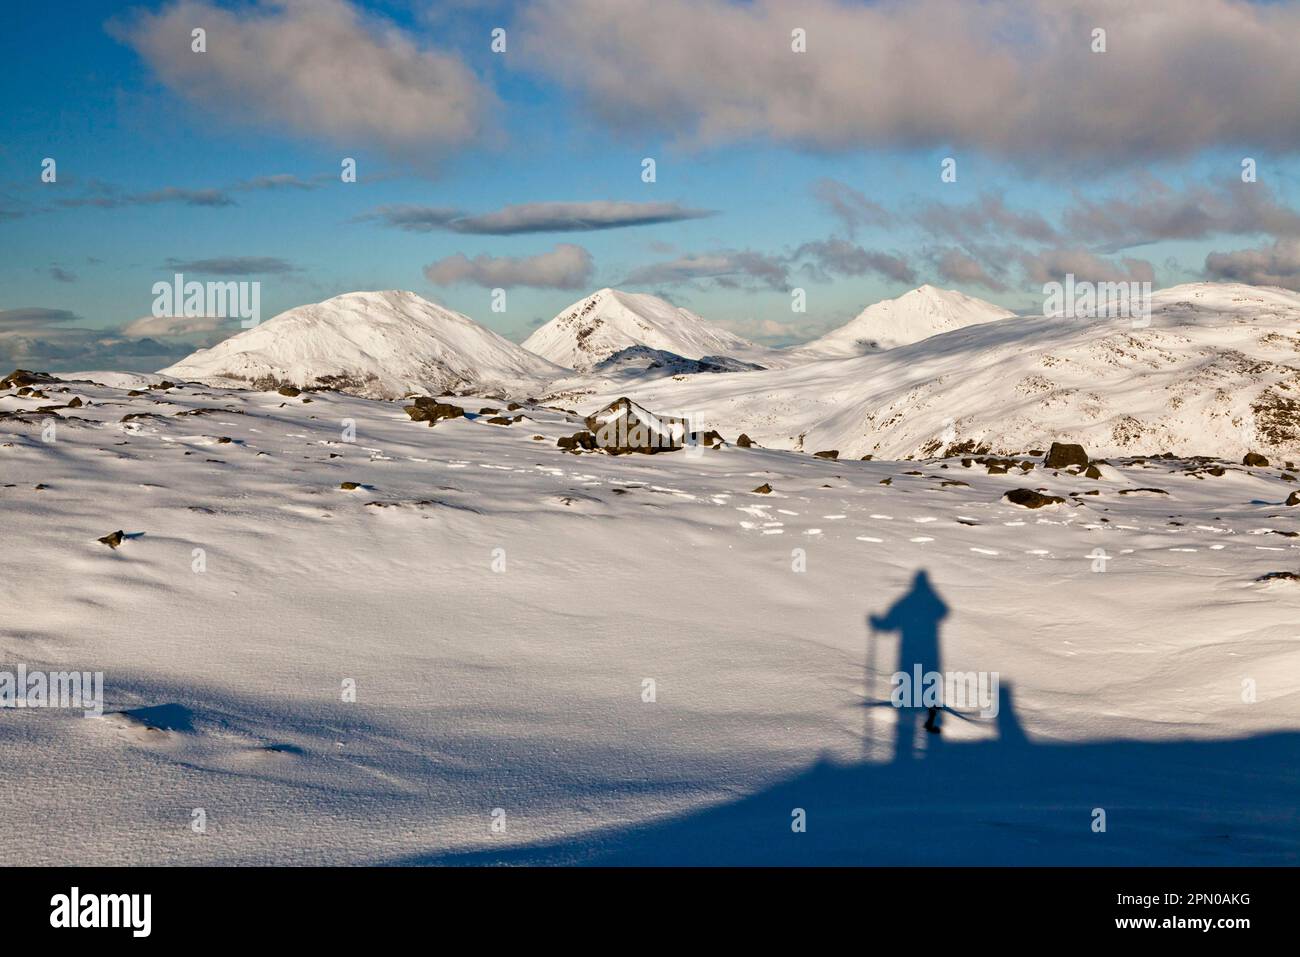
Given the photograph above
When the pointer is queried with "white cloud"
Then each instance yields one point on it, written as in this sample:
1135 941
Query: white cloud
565 267
176 327
1276 265
1053 265
544 217
1016 78
315 67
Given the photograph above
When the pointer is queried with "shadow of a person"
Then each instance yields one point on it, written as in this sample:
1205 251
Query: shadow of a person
916 617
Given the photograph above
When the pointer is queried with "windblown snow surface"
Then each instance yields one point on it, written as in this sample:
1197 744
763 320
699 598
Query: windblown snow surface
502 607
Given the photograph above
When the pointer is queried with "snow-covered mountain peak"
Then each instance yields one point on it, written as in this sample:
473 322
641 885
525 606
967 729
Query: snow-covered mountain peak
610 320
378 344
923 312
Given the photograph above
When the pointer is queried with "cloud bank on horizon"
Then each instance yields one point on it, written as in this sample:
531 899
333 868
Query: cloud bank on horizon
718 153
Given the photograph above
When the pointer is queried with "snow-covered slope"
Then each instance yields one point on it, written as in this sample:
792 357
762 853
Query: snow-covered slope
498 606
913 316
1217 372
609 321
376 344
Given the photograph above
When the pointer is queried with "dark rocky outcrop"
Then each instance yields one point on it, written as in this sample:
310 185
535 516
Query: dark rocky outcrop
1255 459
577 442
21 377
1031 498
1063 454
827 454
427 409
623 427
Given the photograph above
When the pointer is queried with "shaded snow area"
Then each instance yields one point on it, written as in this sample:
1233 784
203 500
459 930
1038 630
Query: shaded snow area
592 658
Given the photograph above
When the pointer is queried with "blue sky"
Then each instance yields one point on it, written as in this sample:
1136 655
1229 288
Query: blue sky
817 169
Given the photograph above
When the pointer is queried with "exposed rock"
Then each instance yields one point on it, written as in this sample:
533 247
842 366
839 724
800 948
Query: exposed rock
1092 472
827 454
578 440
623 426
763 489
114 539
26 377
349 486
1063 454
744 441
1293 498
1030 498
500 420
1255 459
427 409
289 390
208 411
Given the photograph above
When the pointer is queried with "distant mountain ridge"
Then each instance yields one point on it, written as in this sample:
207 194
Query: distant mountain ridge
925 311
374 344
1215 372
609 321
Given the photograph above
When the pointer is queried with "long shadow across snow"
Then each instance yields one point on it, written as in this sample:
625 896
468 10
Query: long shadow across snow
1004 801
